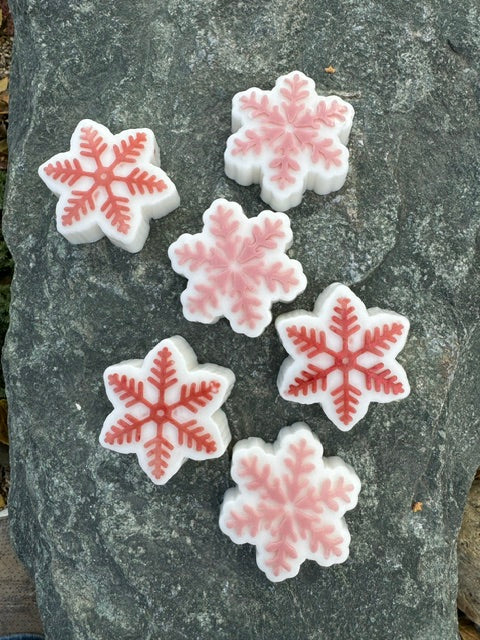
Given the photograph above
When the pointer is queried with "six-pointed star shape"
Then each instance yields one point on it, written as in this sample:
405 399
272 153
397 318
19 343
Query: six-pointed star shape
109 185
342 356
289 139
167 409
237 267
289 502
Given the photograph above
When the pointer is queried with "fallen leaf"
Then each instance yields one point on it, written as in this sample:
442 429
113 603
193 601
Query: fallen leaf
4 97
3 504
417 506
467 630
6 24
330 69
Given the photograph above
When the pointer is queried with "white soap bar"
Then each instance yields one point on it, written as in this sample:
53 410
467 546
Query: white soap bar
167 409
289 140
289 502
342 356
237 267
109 185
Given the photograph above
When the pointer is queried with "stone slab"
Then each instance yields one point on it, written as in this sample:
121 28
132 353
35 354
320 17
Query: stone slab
112 554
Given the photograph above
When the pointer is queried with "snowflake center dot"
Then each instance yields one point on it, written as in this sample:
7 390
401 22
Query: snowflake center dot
346 360
235 272
160 413
103 177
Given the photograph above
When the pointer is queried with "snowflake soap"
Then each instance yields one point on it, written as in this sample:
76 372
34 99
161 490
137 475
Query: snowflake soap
237 267
342 356
109 185
289 140
289 502
167 409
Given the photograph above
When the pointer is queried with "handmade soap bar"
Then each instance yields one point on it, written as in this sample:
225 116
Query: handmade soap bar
167 409
289 502
342 355
289 139
237 267
109 185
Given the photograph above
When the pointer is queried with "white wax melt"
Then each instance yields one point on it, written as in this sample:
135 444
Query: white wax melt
167 409
237 267
109 185
289 140
342 356
290 502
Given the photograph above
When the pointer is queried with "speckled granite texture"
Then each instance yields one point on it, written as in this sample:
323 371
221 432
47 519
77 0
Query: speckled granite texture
115 556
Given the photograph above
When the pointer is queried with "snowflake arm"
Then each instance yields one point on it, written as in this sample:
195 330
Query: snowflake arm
289 139
342 356
167 409
338 491
251 106
237 267
123 429
128 389
336 114
387 333
201 303
109 185
142 182
289 502
79 204
132 146
65 171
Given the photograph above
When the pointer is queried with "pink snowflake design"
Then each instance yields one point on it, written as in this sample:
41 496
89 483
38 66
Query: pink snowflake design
343 356
167 409
109 185
289 502
237 267
289 139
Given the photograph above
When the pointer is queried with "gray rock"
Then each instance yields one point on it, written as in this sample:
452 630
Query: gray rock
115 556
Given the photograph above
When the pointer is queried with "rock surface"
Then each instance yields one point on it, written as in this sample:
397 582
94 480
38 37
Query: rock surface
115 556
